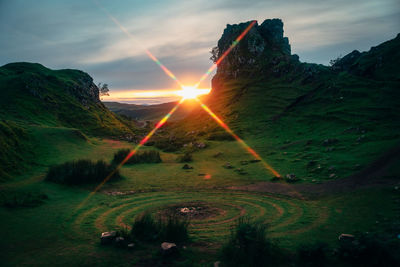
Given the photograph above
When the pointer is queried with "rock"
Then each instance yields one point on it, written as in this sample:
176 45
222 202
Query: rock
291 178
130 246
218 154
168 248
228 166
187 167
200 145
108 237
332 175
119 241
331 141
346 237
217 263
244 162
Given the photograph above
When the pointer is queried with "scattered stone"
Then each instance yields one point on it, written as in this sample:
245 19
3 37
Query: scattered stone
217 263
228 166
311 163
331 141
291 178
240 171
244 162
187 167
119 241
332 175
168 248
130 246
346 237
200 145
218 154
108 237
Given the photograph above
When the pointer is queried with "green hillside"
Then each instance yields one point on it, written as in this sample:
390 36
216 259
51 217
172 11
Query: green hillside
318 122
34 96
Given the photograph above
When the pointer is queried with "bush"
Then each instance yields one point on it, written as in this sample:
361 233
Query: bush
16 199
81 172
171 229
150 156
220 136
369 250
187 157
248 246
312 255
175 229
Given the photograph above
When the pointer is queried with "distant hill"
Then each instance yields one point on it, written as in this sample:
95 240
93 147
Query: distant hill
149 112
35 96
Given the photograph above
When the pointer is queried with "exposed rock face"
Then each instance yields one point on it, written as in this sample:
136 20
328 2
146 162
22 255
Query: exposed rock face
263 44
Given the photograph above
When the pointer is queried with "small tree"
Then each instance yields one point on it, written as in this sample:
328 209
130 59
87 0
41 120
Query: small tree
332 62
103 89
214 54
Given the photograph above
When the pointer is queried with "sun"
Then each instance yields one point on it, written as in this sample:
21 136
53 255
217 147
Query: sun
191 92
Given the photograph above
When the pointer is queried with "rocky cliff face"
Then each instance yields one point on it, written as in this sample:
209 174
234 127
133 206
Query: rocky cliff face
262 46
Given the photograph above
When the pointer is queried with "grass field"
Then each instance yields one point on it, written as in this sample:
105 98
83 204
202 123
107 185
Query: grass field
62 231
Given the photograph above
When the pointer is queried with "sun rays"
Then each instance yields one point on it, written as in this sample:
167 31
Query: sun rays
187 92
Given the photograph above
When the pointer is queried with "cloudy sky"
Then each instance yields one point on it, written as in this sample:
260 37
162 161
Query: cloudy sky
78 34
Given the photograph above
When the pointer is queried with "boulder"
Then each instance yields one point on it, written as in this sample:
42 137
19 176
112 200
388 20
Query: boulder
346 237
187 167
108 237
228 166
168 248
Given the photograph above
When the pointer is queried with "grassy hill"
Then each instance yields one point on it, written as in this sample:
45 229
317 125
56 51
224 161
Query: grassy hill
35 96
318 122
149 112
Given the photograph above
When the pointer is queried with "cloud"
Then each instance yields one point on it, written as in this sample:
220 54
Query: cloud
77 34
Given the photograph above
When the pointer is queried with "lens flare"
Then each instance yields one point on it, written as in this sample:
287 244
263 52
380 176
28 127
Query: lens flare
191 92
133 151
241 142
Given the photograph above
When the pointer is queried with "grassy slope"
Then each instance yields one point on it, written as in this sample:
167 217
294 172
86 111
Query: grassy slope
34 96
278 116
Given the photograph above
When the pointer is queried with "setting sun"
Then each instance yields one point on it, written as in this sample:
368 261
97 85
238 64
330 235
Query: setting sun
191 92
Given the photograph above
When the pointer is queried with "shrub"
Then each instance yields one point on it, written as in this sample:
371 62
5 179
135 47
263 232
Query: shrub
81 172
150 156
16 199
312 255
220 136
186 157
248 246
172 228
369 250
175 229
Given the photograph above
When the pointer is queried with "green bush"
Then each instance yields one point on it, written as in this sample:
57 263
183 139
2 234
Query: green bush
150 156
312 255
369 250
249 246
171 229
186 157
81 172
17 199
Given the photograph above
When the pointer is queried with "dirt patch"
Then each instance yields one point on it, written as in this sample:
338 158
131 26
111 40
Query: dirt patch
191 210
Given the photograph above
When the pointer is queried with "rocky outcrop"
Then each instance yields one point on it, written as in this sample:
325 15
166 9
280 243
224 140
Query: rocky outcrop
263 45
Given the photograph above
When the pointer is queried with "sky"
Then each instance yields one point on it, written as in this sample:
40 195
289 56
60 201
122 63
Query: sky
79 35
